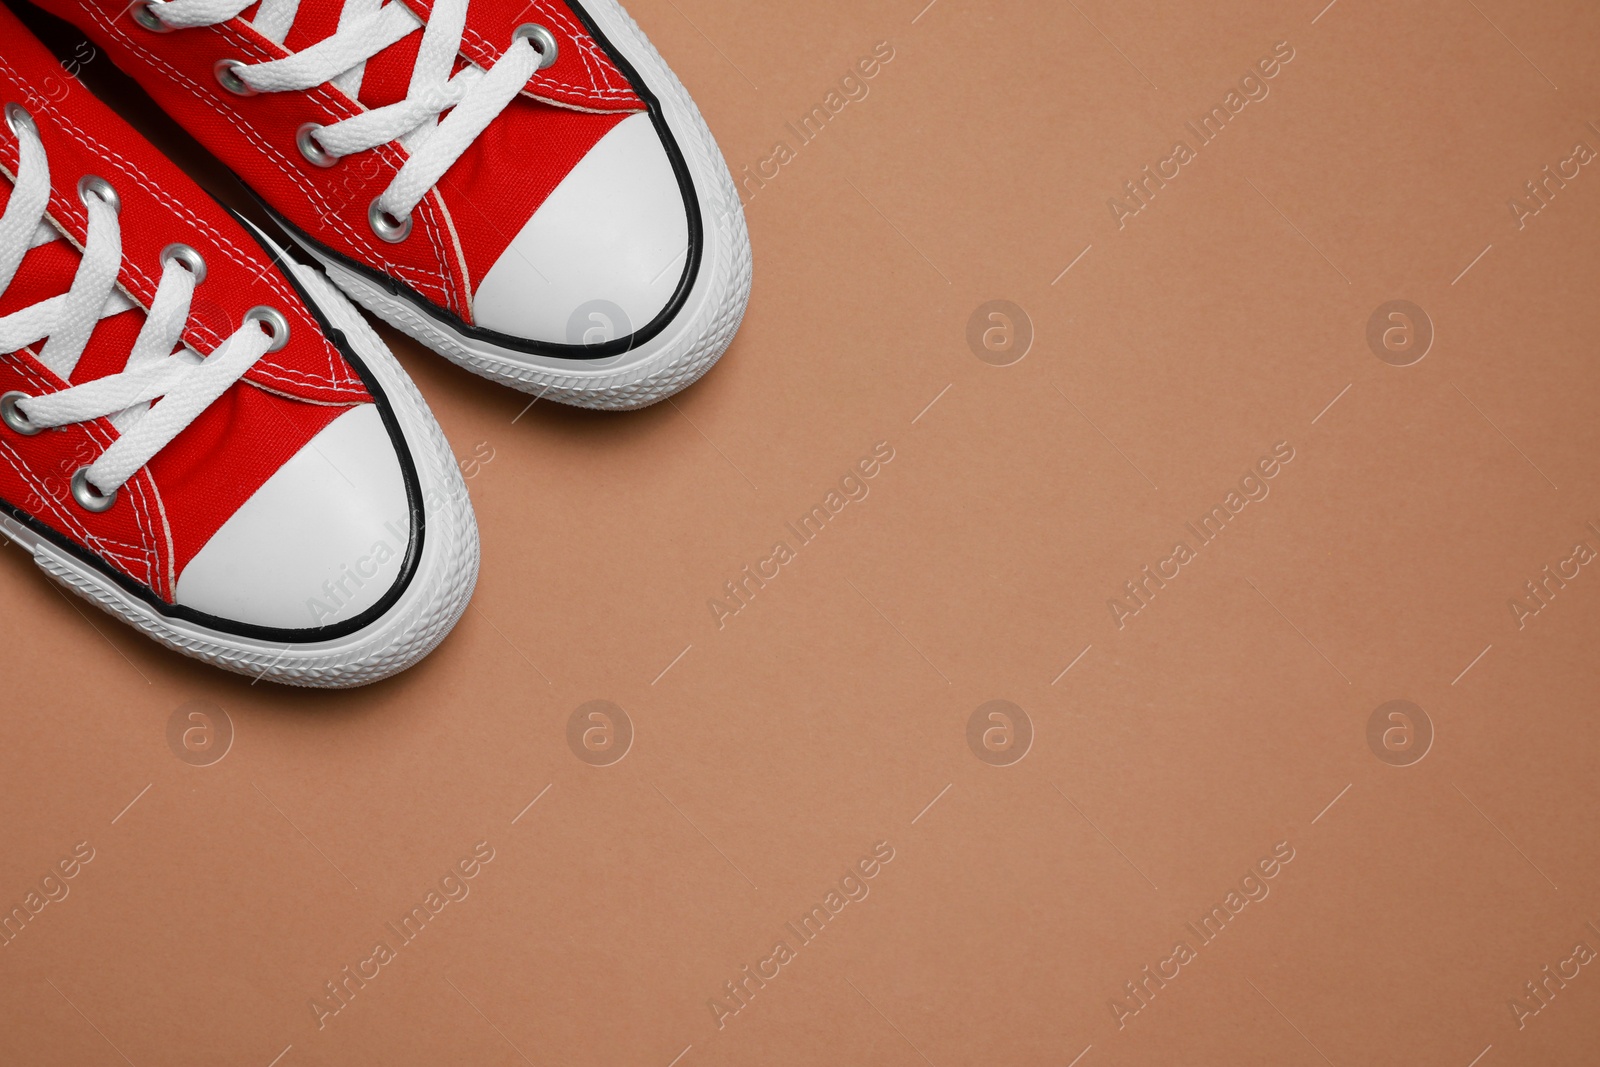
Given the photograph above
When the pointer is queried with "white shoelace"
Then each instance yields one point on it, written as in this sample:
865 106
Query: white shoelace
186 384
367 27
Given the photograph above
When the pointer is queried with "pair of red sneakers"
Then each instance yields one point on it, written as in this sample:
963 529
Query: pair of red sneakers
199 433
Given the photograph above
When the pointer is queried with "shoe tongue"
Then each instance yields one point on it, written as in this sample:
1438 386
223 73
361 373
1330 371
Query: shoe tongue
47 270
387 76
313 23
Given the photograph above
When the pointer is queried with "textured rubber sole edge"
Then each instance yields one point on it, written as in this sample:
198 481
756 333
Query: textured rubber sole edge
691 344
431 605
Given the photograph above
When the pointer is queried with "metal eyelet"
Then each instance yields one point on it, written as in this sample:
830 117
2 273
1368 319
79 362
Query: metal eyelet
273 320
18 119
14 417
90 185
227 74
386 226
88 497
187 258
144 14
544 42
305 139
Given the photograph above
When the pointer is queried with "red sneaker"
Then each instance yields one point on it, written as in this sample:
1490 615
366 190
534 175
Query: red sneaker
196 434
524 187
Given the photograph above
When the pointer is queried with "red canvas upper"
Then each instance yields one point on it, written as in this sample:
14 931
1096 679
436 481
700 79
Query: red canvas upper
582 77
173 506
462 227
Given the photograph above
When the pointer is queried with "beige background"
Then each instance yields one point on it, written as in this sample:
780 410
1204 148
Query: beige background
832 713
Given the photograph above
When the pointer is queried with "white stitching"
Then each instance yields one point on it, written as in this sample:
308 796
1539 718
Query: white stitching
589 51
41 382
336 102
197 328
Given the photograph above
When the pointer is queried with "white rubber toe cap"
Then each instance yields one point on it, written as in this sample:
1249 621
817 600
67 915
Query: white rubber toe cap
322 541
611 238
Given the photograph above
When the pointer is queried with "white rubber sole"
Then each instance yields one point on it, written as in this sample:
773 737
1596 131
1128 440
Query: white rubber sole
698 334
411 628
